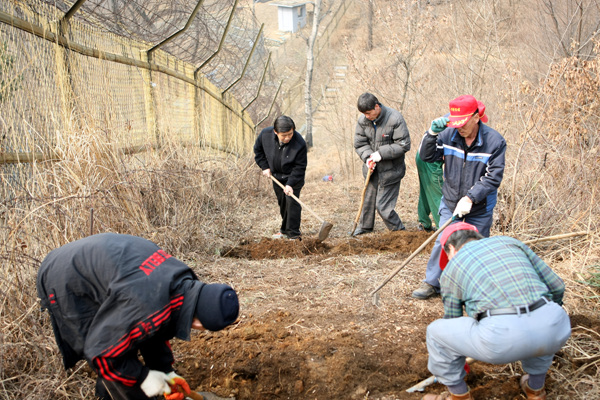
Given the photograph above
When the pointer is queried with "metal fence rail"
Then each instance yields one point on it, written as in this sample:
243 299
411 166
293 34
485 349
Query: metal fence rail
66 68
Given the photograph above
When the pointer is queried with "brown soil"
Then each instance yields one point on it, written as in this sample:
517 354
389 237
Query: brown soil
308 328
401 242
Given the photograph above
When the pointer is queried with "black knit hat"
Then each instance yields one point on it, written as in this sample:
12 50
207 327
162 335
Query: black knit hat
217 306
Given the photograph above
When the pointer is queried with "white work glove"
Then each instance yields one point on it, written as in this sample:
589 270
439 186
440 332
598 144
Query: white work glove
266 172
438 125
463 207
288 190
373 159
156 383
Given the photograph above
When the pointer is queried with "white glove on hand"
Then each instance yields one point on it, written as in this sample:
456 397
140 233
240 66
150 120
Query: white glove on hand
463 207
156 383
375 157
288 190
266 172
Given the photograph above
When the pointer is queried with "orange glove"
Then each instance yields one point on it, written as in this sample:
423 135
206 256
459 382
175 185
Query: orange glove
179 387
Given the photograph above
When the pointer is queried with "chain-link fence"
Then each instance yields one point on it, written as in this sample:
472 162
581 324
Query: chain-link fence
141 71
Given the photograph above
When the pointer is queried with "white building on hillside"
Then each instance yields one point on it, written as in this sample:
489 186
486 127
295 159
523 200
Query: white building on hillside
291 14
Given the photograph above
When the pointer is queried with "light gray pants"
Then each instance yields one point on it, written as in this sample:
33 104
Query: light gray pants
532 338
382 198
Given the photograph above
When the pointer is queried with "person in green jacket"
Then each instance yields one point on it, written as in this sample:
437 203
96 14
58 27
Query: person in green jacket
431 178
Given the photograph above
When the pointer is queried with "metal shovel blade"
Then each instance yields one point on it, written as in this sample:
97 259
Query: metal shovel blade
324 231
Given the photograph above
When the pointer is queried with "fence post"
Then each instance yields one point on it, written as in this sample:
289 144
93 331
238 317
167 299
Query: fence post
150 110
262 80
247 60
270 108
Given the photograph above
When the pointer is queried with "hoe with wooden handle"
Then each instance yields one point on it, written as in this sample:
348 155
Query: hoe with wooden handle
325 226
413 255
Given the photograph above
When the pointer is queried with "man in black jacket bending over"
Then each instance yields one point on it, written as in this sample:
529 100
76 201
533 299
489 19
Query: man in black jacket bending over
280 152
111 296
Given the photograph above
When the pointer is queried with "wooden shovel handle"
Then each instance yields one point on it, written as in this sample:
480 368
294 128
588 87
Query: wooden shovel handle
413 255
192 395
298 200
362 200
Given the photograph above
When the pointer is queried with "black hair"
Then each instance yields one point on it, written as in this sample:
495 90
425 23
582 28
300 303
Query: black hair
283 124
367 102
459 238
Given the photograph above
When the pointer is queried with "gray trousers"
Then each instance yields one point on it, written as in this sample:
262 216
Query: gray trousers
532 338
483 224
382 198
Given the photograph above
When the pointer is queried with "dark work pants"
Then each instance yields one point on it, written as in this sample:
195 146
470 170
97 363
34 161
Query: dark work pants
383 199
290 210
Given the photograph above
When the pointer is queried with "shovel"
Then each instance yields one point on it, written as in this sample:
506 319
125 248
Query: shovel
413 255
325 226
362 202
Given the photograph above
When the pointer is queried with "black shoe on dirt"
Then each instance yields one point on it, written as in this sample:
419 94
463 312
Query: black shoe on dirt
424 292
360 231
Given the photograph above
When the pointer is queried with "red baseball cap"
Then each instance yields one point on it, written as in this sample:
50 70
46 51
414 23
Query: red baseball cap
461 110
457 226
482 115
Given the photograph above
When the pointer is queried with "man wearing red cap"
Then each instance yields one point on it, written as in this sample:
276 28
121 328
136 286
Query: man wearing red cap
112 296
473 156
513 304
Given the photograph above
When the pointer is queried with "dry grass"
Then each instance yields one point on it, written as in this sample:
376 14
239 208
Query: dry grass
193 202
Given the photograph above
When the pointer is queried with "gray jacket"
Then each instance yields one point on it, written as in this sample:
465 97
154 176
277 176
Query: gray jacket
389 135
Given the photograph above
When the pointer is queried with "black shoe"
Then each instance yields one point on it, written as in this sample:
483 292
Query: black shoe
430 229
360 231
425 291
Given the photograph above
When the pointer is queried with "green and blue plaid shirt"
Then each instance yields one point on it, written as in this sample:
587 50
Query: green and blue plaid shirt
496 272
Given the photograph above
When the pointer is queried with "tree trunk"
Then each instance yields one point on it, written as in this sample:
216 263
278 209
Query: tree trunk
310 61
369 25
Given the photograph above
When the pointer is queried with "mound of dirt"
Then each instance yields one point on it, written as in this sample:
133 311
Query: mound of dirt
278 357
401 242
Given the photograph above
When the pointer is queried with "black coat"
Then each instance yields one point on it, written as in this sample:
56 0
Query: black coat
287 163
110 295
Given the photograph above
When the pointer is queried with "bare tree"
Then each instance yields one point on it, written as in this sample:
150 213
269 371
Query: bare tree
369 25
310 61
568 27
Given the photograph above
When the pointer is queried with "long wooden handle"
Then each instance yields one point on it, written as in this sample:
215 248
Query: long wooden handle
192 395
362 200
417 251
555 237
298 200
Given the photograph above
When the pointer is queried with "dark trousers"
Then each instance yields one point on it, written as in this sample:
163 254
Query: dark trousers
109 390
383 199
290 210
